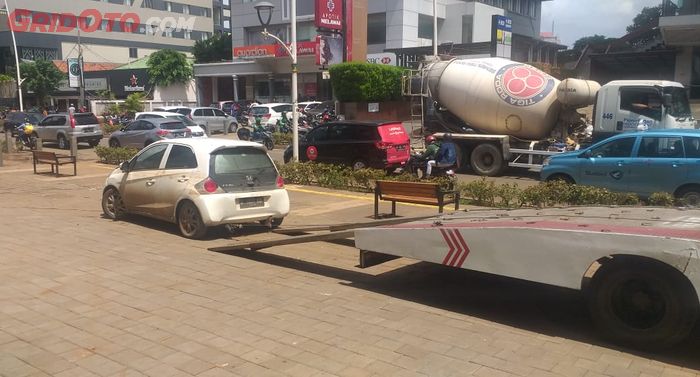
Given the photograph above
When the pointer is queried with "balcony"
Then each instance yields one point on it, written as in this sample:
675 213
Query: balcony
680 22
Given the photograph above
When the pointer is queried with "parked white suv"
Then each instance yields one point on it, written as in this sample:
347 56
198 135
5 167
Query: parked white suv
197 184
213 120
269 113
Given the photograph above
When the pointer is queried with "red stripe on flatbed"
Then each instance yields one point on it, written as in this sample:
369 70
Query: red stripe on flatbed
564 225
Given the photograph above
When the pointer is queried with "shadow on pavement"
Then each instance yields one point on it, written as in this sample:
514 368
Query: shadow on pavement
529 306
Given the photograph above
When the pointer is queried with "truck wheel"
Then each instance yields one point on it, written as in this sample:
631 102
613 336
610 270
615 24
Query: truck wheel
63 142
486 159
642 304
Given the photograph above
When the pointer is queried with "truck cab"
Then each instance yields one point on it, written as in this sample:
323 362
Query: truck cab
637 105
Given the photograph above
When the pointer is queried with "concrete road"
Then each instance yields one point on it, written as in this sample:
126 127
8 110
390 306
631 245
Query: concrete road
85 296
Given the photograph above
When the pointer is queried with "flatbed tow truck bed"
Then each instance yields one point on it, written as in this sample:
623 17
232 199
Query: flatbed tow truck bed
639 267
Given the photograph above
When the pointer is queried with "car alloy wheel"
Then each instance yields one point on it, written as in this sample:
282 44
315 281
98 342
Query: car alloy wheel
112 204
190 221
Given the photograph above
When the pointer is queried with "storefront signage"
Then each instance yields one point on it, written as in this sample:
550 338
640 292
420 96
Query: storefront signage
256 51
329 14
329 50
303 49
90 84
385 58
74 68
134 85
501 36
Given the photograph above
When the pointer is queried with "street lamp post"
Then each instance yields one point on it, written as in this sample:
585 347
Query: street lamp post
14 44
264 10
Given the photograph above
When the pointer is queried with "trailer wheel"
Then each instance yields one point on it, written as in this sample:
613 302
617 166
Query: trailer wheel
643 304
486 159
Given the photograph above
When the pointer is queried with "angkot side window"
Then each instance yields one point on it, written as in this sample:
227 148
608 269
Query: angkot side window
616 148
181 157
242 169
150 158
692 146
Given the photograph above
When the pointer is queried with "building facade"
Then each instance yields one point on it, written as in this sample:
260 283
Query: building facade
117 31
387 25
680 28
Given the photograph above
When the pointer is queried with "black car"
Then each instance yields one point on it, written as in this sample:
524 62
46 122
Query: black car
381 145
16 118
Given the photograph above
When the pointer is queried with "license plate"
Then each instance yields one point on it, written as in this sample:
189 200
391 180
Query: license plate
179 135
89 129
251 202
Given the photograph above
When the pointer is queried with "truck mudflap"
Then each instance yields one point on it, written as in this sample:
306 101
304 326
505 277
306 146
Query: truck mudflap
556 246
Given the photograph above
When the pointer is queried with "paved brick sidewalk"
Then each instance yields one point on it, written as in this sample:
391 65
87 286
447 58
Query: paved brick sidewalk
84 296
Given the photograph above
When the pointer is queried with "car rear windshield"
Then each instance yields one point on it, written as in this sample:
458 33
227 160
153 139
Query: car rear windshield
393 133
182 119
85 119
281 108
172 126
260 110
239 169
183 111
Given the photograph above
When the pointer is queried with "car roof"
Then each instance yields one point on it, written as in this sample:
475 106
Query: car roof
172 107
161 113
161 120
211 144
272 104
667 132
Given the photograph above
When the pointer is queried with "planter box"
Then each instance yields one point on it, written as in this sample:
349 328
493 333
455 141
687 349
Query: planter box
392 110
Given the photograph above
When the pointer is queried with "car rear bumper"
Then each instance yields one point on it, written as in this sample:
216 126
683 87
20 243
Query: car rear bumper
219 209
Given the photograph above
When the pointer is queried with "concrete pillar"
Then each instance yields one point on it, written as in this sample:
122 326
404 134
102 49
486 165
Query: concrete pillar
235 87
215 89
271 85
198 90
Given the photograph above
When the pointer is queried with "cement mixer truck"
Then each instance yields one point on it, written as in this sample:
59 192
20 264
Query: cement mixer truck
503 113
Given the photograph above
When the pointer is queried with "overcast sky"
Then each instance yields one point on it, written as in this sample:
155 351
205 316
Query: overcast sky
574 19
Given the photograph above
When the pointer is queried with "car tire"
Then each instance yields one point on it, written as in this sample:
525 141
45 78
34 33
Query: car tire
112 204
561 177
190 222
63 142
114 143
689 196
93 144
243 134
275 223
359 164
487 160
643 304
233 127
269 144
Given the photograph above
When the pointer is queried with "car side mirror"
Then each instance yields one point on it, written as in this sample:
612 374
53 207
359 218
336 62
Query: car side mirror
124 166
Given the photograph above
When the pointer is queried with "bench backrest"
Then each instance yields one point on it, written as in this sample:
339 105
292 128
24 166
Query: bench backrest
423 190
41 155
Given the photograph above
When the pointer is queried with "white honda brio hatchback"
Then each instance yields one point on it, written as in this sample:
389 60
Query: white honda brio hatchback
198 183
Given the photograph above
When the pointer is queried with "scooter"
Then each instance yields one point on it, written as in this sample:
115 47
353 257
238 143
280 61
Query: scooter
258 135
417 165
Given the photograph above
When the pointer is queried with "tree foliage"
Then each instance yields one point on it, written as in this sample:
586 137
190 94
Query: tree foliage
649 16
41 77
133 103
365 82
596 39
167 67
214 49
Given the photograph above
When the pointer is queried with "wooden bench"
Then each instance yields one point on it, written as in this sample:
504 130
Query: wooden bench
412 192
41 157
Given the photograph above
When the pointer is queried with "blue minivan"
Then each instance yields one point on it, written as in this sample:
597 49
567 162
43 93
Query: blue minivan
639 162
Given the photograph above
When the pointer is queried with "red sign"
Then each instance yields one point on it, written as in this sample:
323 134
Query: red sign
257 51
329 14
303 48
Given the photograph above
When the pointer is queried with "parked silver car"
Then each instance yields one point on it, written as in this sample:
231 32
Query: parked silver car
62 127
213 120
142 132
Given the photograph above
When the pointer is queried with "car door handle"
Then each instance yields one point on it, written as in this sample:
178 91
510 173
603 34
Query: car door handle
150 182
620 163
183 179
676 164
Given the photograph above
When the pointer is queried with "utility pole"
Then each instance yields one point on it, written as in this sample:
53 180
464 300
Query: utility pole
82 77
14 44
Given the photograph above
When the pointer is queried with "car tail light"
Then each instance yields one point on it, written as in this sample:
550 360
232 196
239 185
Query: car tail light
72 122
190 116
162 132
280 182
382 145
266 116
208 186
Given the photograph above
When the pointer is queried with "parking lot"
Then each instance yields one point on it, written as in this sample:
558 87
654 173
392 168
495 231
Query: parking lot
86 296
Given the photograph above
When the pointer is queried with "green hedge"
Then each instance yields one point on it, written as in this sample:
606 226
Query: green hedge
365 82
114 156
281 138
481 192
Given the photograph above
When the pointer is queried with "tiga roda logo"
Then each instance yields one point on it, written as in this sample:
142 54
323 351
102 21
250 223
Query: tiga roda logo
522 85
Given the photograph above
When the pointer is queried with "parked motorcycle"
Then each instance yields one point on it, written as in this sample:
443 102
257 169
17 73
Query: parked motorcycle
417 165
